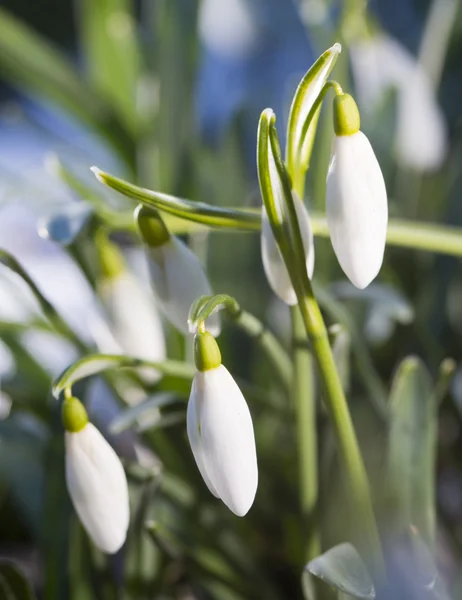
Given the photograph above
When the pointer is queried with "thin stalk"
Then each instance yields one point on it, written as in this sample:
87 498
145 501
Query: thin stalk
340 419
305 411
334 397
253 327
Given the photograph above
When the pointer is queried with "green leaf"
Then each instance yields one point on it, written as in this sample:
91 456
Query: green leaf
343 568
108 34
97 363
299 146
198 212
30 62
15 582
404 234
412 447
47 308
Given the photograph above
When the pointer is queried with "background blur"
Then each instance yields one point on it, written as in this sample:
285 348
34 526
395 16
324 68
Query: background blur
167 94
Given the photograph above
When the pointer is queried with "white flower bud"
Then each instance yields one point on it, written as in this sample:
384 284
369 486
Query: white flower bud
273 263
98 487
380 63
136 323
356 207
220 430
178 279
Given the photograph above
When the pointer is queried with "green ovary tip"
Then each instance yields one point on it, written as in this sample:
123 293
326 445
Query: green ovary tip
346 115
207 354
74 415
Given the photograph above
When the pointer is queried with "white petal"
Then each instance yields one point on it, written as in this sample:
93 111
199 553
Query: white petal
178 280
275 269
421 140
227 438
98 487
381 63
356 207
193 428
136 322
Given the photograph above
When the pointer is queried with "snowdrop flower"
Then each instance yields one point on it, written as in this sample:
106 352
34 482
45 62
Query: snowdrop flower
177 275
220 430
356 198
135 321
273 263
381 62
95 479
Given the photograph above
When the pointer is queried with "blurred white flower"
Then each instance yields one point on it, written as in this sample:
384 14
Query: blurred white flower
273 263
228 28
98 487
178 279
177 275
221 435
136 323
380 63
356 199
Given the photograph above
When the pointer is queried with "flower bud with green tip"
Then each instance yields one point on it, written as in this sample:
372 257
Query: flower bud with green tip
95 479
177 275
220 430
134 318
273 263
356 198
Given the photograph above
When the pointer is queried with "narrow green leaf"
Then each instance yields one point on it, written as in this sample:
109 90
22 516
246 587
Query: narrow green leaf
108 34
97 363
298 150
441 239
32 63
47 308
16 581
412 446
343 568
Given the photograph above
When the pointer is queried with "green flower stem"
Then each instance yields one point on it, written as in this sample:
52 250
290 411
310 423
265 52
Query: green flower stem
254 328
305 412
293 253
376 391
442 239
340 418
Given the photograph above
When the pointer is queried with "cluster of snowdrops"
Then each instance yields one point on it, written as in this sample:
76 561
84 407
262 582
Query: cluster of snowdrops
219 423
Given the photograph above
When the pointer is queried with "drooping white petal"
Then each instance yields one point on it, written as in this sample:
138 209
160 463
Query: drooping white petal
275 269
135 320
178 279
382 62
356 208
193 429
98 487
226 438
